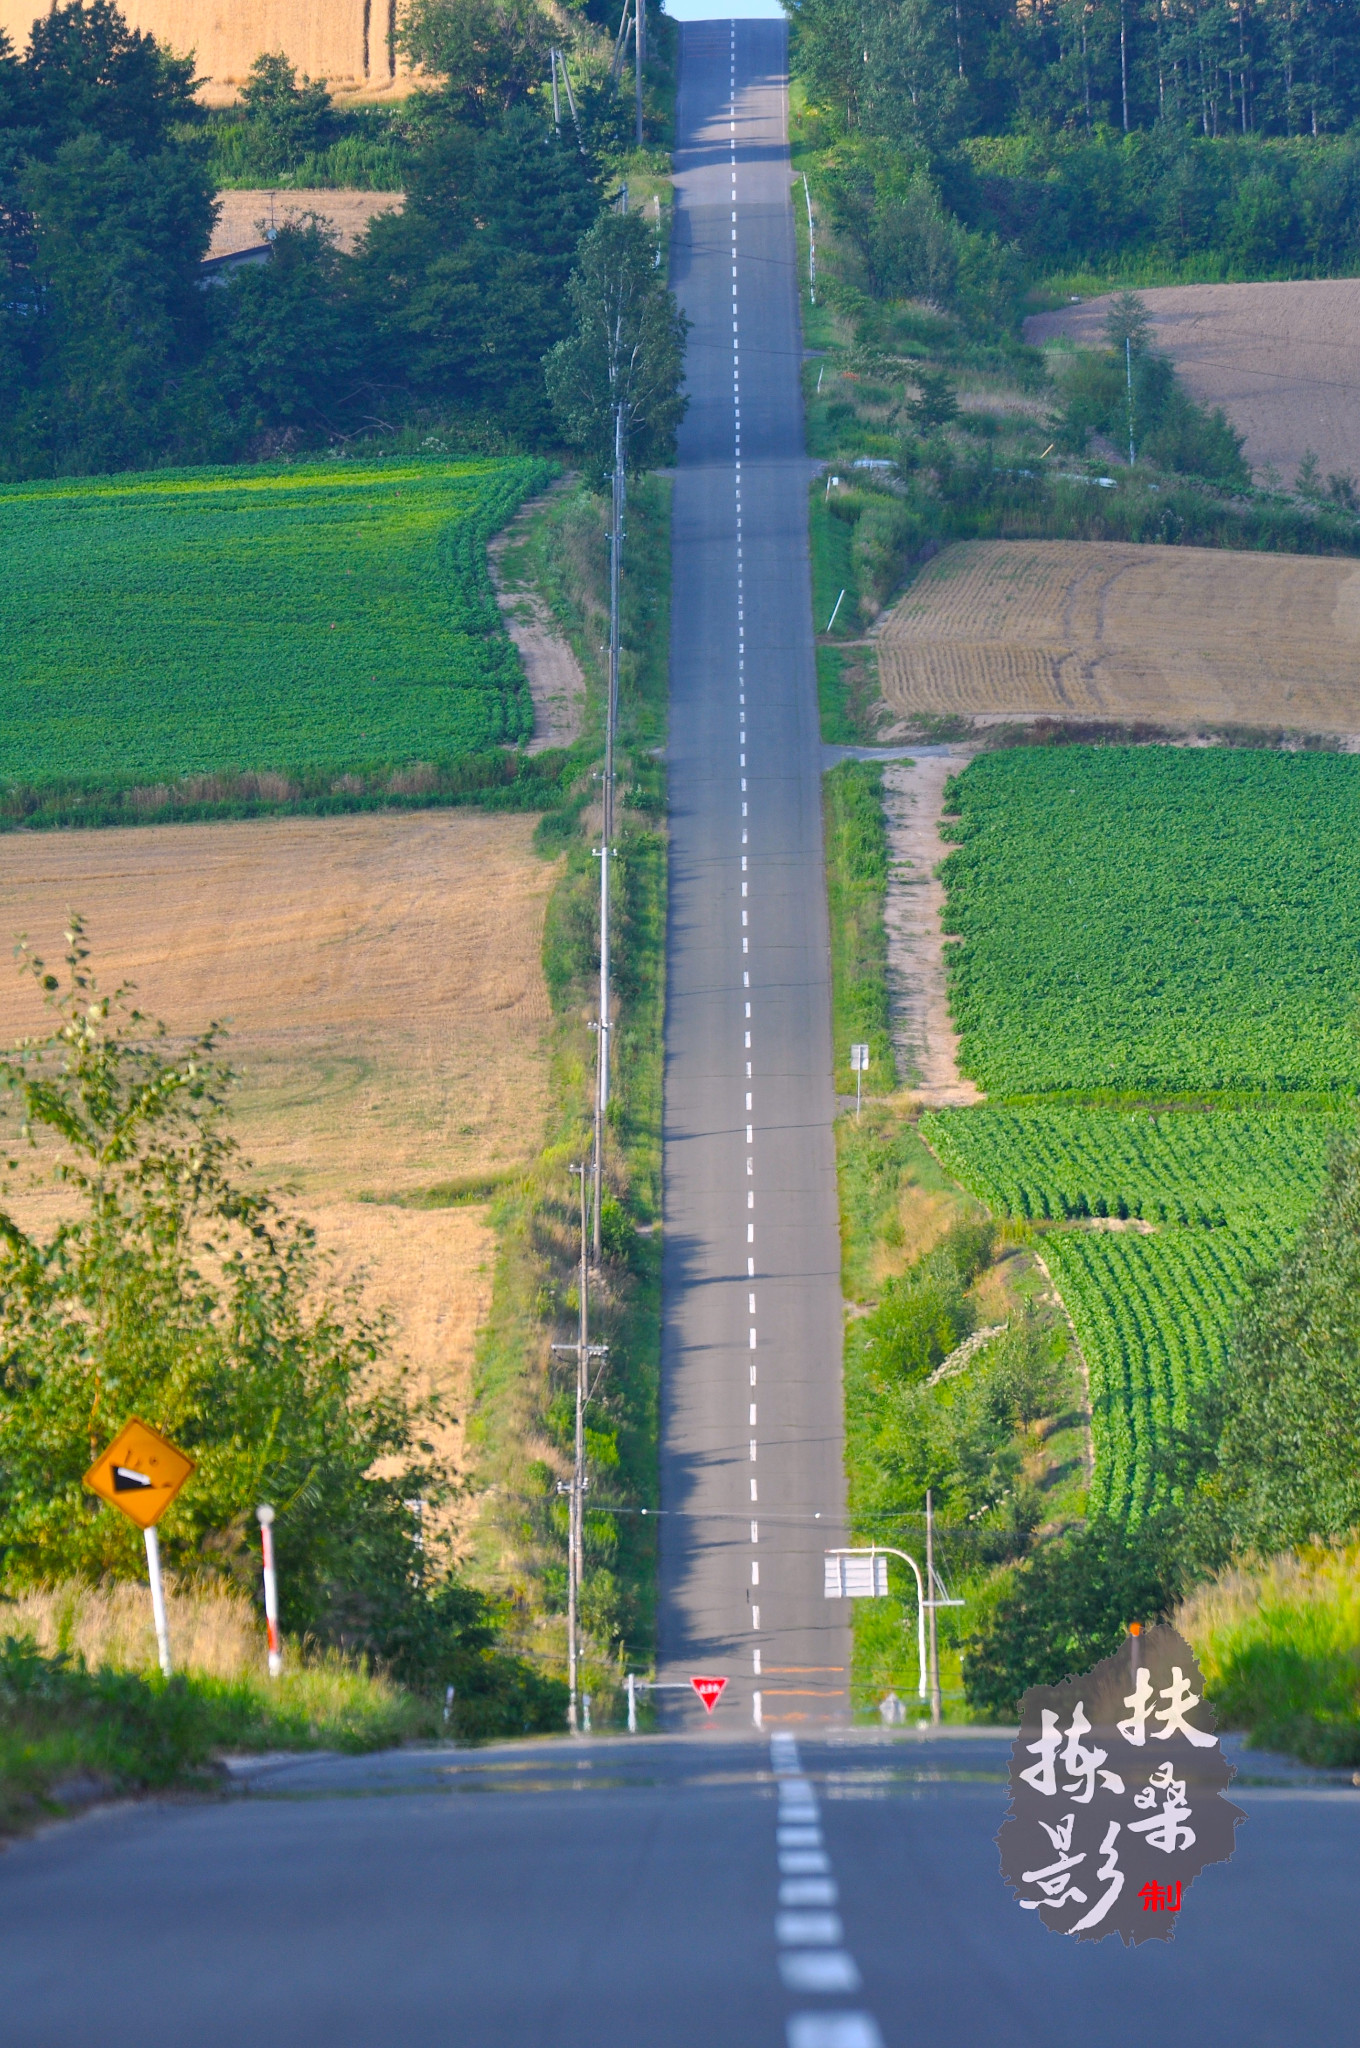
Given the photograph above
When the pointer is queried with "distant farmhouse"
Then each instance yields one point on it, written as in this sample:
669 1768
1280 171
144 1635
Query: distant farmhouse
350 43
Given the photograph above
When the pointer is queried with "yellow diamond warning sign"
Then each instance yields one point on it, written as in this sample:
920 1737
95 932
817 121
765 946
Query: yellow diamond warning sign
140 1472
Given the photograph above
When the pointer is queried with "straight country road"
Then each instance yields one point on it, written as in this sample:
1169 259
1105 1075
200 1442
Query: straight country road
813 1885
752 1486
654 1893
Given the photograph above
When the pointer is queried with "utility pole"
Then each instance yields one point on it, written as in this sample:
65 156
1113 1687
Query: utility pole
640 58
557 105
575 1488
1124 62
606 849
1128 378
560 60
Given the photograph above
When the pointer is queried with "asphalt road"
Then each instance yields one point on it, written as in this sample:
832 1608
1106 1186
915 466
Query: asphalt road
651 1894
812 1887
752 1487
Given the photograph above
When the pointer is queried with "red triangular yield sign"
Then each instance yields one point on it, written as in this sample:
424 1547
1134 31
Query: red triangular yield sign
709 1691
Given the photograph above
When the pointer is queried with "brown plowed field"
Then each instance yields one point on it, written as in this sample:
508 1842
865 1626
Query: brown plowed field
381 980
1100 630
1283 360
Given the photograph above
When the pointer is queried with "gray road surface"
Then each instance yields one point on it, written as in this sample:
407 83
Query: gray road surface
751 1443
580 1896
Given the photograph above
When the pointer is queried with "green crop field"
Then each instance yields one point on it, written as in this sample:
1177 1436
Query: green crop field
1152 1317
319 616
1165 923
1181 1166
1151 1312
1156 919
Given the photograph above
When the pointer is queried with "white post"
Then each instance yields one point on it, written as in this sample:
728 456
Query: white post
934 1636
585 1701
264 1515
153 1569
1128 375
632 1705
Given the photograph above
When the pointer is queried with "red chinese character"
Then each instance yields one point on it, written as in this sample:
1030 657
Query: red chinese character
1161 1898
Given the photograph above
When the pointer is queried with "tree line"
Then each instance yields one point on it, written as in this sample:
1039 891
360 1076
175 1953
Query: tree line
983 146
946 68
115 351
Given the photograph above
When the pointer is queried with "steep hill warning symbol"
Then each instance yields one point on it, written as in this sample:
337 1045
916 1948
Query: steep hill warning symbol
710 1691
140 1473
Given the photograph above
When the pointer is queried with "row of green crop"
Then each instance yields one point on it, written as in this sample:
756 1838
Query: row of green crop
328 616
1156 919
1153 1317
1182 1166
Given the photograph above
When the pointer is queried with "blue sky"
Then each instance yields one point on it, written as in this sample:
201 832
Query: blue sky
723 10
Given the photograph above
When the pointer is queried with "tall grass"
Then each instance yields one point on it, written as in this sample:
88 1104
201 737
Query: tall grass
1279 1643
85 1712
214 1631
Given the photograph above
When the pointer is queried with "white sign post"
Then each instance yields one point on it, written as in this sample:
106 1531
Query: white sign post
863 1575
859 1061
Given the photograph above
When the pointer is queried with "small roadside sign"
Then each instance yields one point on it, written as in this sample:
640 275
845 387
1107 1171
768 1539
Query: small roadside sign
859 1059
710 1691
856 1577
140 1473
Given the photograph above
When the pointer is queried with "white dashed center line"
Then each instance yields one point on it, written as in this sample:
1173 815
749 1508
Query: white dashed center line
812 1953
742 742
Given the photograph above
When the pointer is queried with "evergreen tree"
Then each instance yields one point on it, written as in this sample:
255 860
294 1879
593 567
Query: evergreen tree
468 284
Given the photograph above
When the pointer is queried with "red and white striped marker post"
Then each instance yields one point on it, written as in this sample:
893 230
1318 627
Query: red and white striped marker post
264 1515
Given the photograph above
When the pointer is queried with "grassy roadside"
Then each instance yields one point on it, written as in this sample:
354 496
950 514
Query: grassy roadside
85 1713
857 882
521 1413
70 1734
999 1437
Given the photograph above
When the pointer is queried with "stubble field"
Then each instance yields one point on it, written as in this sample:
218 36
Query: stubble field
381 982
1095 630
1283 360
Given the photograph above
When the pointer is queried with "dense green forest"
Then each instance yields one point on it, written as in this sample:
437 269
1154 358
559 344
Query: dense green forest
114 354
986 141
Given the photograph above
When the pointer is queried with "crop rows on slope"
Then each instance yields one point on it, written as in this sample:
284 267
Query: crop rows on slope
323 616
1179 1166
1161 920
1152 1316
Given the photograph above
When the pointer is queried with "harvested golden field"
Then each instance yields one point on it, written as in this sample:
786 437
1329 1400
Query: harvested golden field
381 981
240 215
348 42
1283 360
1102 630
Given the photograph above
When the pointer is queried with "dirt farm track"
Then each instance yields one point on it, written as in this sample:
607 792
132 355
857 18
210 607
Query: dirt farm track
1101 630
